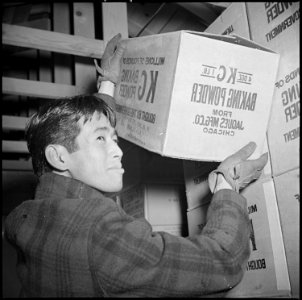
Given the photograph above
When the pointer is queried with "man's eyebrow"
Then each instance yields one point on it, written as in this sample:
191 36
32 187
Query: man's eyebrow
105 128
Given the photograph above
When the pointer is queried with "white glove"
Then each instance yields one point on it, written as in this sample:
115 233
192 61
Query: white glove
237 170
111 61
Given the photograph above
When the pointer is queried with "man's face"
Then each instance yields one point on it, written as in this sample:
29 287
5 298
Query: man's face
97 162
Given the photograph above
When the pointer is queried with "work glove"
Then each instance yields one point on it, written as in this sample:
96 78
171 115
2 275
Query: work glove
237 170
111 61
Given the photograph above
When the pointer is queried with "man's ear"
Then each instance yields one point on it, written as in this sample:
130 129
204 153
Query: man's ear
57 156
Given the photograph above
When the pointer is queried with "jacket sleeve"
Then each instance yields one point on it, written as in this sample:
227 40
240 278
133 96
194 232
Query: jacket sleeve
128 258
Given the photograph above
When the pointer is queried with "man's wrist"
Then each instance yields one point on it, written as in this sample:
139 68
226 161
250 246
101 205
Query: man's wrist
221 183
107 87
217 182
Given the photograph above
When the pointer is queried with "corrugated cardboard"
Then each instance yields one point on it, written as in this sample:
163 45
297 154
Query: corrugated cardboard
233 20
160 204
288 197
266 271
194 95
276 25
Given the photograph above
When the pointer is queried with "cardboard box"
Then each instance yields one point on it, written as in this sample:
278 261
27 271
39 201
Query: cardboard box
266 271
233 20
197 218
196 182
287 188
194 95
159 204
276 25
176 229
267 170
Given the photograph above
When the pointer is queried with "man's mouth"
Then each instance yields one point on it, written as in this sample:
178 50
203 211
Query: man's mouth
117 169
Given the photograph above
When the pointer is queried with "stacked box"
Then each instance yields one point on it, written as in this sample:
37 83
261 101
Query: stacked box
276 25
162 205
196 182
233 20
197 218
200 106
266 271
288 197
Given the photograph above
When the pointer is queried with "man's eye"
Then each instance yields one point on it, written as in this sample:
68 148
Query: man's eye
115 140
100 138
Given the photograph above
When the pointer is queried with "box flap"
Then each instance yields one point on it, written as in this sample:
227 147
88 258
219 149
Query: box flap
232 38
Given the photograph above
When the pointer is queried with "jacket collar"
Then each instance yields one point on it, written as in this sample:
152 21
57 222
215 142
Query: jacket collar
52 185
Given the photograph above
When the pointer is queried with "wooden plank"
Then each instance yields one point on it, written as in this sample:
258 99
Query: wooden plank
42 24
25 165
14 147
62 63
14 123
114 18
52 41
45 62
83 20
38 89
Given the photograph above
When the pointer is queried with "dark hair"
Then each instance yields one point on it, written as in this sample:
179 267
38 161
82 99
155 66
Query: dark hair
57 123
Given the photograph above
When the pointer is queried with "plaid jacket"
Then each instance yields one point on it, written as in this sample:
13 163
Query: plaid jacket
72 241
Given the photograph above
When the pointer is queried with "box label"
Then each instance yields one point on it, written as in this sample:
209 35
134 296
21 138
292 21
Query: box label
143 93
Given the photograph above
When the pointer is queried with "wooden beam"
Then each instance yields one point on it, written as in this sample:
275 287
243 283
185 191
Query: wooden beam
14 147
45 62
63 64
25 165
83 23
14 123
223 5
114 18
52 41
38 89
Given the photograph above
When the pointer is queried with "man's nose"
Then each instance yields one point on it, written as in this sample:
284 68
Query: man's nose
117 151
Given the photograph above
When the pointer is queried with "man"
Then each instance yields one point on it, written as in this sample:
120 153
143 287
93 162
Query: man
73 241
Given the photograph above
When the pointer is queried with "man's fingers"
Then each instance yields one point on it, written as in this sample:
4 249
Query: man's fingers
251 168
98 68
261 161
111 45
244 153
120 49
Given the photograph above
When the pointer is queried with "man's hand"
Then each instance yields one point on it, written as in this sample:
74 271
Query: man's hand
237 170
111 61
